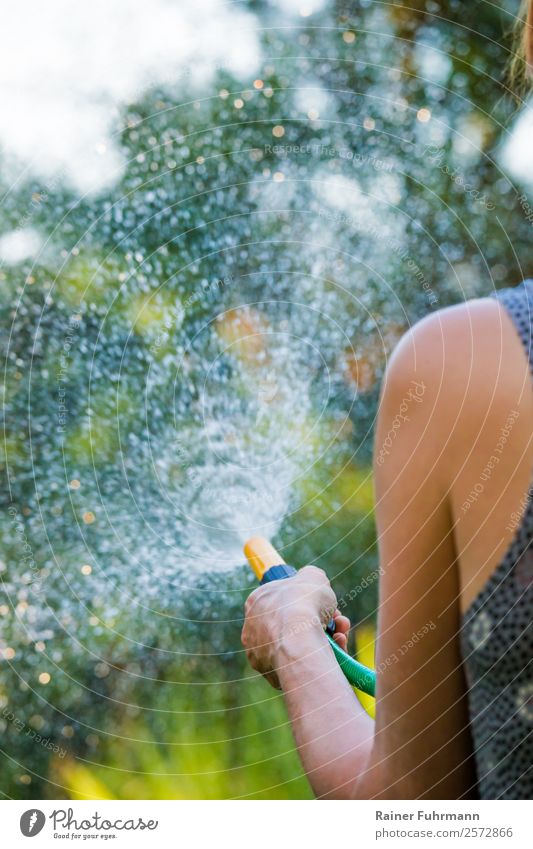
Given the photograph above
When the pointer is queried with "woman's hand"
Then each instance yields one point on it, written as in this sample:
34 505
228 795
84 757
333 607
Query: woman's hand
283 619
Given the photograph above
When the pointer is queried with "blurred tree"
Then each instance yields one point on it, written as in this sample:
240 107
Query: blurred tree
234 295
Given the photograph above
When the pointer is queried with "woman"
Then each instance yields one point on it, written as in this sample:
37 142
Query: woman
454 512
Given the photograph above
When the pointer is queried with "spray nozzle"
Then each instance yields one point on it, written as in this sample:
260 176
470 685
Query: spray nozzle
261 556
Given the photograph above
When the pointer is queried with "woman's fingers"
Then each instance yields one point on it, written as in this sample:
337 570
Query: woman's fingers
342 623
284 610
342 627
341 640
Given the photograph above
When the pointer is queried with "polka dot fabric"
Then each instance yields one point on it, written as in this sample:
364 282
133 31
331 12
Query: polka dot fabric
497 637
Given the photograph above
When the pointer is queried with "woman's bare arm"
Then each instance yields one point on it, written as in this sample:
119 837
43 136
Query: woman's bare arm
422 745
284 638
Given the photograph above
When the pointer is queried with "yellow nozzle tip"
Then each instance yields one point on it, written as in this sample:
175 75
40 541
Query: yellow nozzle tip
261 555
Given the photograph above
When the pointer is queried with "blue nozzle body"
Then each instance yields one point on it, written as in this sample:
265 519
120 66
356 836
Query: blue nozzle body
276 573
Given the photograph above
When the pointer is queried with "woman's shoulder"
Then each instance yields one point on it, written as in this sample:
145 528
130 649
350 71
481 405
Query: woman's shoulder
460 346
473 366
460 324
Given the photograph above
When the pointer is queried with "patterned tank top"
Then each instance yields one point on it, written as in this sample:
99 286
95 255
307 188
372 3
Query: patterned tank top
497 636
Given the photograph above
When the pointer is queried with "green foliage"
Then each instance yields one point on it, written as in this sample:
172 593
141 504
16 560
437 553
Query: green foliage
330 206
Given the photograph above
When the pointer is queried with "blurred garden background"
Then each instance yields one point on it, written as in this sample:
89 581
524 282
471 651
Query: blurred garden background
217 220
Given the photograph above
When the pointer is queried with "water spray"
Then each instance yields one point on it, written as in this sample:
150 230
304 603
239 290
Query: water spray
268 565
